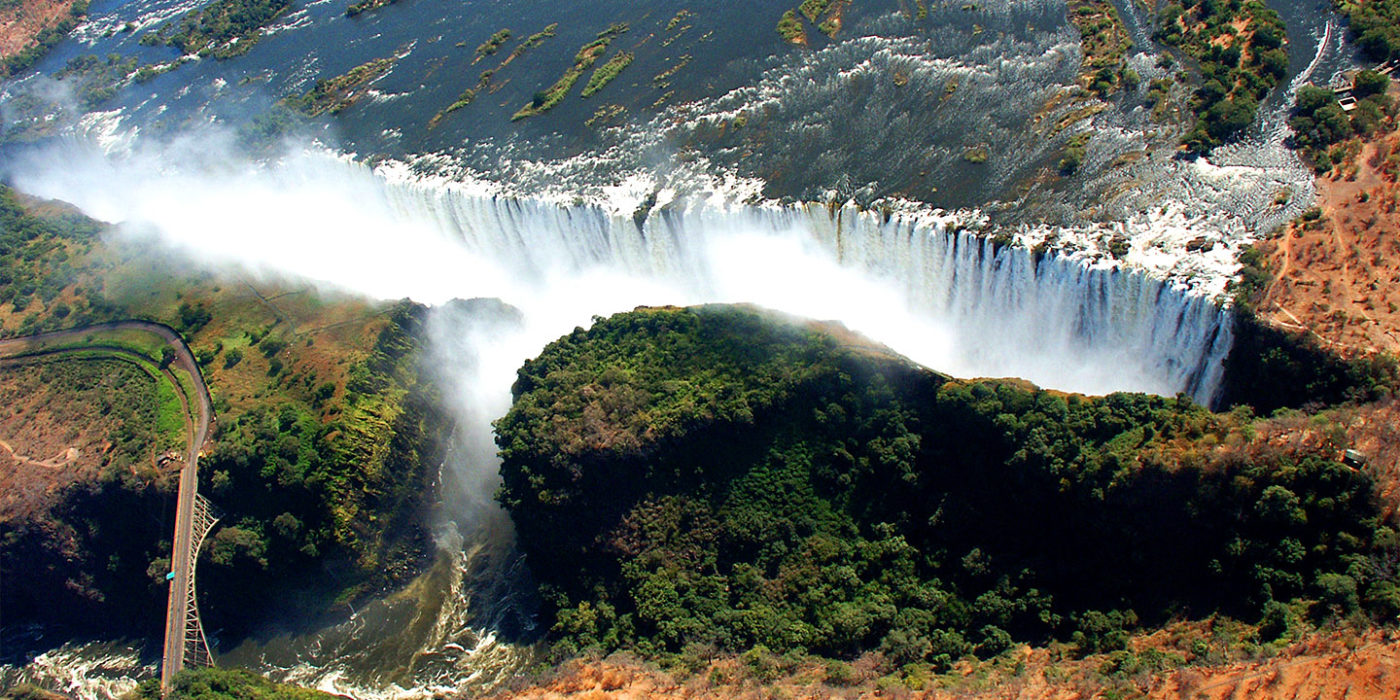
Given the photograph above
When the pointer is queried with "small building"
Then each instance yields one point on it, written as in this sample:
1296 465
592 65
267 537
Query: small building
1352 458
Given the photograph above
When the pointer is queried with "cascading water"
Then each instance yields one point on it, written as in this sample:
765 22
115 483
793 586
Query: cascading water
560 239
919 281
975 308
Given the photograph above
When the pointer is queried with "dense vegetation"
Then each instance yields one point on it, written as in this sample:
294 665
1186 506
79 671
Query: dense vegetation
1270 368
225 684
1239 47
319 468
307 497
1376 25
309 508
710 478
142 411
1319 122
223 29
96 79
35 264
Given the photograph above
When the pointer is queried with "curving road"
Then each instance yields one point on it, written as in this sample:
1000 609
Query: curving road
182 554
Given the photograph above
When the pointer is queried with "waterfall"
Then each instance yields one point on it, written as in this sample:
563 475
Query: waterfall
1000 310
914 279
917 280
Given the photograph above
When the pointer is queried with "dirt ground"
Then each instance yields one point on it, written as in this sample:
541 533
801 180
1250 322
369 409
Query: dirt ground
52 436
1338 276
1323 665
19 25
1356 669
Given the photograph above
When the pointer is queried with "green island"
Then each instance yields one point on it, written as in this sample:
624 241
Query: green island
692 481
589 54
363 6
1239 49
483 82
320 463
977 154
605 116
605 73
1105 42
676 19
791 30
336 94
531 42
223 29
96 79
662 80
1075 151
826 15
491 45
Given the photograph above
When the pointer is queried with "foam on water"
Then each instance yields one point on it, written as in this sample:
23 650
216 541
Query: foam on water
918 280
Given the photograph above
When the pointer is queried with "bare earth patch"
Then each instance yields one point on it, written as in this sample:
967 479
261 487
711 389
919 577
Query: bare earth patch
1333 664
57 427
19 25
1338 276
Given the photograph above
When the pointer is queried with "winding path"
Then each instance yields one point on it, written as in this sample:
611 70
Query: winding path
182 619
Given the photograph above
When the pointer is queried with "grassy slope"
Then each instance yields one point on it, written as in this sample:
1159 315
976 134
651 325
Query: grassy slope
323 430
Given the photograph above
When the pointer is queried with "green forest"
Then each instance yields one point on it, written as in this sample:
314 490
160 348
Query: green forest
320 484
716 478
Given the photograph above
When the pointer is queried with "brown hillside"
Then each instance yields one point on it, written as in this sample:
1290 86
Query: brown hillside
21 24
1338 664
1337 276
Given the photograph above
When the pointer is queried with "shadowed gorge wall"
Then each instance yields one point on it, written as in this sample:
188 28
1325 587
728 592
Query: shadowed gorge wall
715 476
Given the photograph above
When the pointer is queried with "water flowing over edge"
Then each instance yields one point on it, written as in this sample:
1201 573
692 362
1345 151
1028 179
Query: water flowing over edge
939 287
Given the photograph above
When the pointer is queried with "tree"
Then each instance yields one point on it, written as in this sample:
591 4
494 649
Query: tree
1230 117
1312 98
1367 117
1369 82
1338 592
